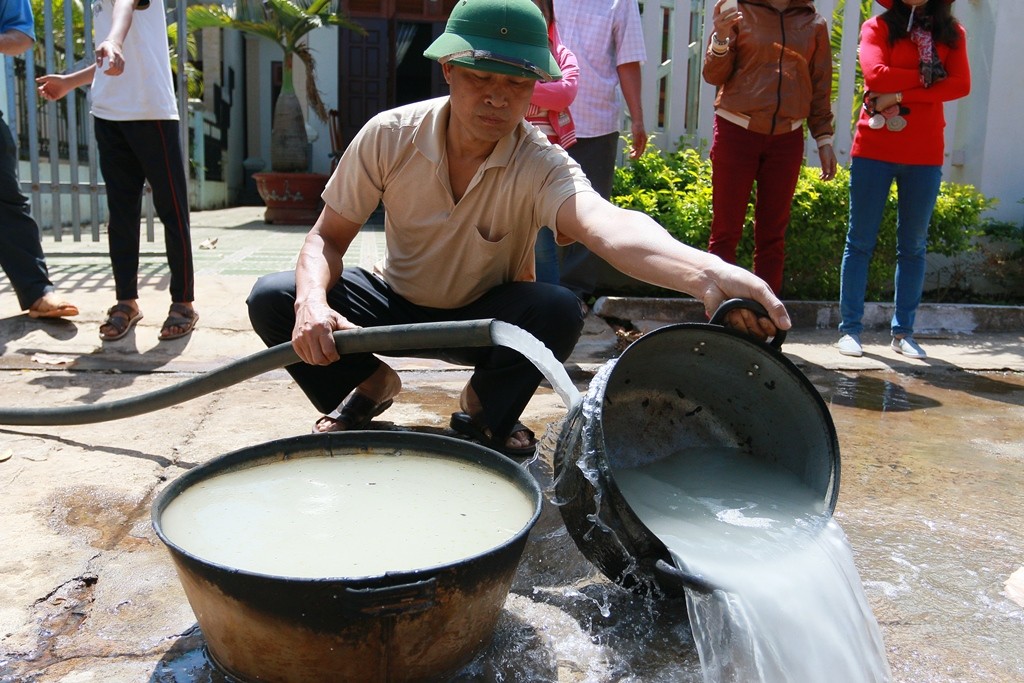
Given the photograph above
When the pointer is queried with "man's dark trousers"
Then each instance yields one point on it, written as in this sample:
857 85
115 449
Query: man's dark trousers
131 153
503 379
21 254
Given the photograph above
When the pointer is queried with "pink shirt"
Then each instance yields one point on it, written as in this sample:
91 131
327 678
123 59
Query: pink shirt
549 106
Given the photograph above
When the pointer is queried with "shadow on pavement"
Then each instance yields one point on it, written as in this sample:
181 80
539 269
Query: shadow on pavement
105 449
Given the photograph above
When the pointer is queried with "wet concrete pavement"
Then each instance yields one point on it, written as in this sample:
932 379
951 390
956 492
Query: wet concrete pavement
929 497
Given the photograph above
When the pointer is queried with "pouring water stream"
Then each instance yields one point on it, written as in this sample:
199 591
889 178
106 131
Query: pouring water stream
779 598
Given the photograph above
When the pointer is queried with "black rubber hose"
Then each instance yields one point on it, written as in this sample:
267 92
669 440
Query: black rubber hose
677 580
387 338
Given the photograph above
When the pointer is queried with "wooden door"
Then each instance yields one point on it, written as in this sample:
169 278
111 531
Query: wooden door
364 74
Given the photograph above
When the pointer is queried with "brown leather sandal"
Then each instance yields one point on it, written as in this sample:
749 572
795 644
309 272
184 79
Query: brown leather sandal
182 317
122 318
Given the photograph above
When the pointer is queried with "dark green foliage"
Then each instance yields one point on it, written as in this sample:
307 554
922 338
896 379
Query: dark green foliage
1002 255
674 188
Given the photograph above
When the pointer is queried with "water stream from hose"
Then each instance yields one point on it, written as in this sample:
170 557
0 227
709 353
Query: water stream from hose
505 334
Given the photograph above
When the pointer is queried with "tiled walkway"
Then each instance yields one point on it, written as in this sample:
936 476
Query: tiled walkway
250 248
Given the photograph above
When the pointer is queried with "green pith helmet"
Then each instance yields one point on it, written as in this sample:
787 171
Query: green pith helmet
508 37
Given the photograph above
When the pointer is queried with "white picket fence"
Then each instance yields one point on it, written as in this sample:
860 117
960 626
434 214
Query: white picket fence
679 103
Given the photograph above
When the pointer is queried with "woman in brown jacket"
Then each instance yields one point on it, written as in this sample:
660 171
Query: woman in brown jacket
772 64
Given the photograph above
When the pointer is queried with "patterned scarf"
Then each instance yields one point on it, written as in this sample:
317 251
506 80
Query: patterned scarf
930 66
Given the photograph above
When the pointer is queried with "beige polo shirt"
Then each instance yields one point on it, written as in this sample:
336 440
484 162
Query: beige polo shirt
440 253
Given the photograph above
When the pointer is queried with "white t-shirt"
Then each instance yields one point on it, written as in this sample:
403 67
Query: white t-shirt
145 91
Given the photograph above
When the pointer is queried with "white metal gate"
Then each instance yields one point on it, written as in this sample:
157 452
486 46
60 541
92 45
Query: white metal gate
56 140
678 101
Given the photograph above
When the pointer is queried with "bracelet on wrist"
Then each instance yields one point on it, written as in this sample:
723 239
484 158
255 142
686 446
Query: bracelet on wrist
719 48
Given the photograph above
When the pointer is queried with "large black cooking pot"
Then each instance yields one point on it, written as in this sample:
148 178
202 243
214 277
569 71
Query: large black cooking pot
691 385
417 625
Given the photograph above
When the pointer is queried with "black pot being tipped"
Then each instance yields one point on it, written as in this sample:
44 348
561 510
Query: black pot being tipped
685 386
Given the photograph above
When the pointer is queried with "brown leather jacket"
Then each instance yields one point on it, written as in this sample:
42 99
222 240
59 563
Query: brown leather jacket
778 70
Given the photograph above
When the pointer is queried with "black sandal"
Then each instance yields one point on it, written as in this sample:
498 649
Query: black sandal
357 413
180 317
122 318
471 427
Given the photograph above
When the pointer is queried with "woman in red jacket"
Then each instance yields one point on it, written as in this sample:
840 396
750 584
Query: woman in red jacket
914 59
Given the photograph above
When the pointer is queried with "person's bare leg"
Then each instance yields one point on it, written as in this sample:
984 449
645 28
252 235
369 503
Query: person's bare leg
382 385
470 404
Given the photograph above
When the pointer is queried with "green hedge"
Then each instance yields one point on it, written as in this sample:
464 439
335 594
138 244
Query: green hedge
674 188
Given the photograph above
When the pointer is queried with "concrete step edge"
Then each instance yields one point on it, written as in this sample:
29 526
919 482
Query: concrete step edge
931 318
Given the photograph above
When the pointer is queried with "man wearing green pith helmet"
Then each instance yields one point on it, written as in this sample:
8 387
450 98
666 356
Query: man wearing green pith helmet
466 183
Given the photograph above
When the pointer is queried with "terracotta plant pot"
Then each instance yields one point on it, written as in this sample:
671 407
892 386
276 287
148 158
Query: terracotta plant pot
291 198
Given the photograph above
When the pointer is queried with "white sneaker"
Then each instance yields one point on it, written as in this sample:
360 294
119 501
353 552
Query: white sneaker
908 347
849 345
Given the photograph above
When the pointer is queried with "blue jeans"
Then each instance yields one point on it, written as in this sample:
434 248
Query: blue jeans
545 254
917 188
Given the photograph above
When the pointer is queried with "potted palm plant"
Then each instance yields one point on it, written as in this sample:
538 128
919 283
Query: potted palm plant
291 193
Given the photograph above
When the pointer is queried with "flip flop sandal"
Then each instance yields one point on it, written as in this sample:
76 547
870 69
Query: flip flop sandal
180 316
468 426
122 318
357 412
61 310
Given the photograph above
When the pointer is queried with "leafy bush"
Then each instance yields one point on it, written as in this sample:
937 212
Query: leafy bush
1002 256
674 188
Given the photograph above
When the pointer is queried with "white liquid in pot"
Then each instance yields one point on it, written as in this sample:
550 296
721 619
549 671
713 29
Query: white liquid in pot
351 516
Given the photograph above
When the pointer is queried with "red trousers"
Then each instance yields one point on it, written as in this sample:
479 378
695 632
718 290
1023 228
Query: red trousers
740 157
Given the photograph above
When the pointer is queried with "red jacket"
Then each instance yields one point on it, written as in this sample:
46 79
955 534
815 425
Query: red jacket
894 68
